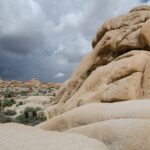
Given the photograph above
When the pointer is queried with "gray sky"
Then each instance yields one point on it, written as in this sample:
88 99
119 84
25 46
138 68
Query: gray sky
46 39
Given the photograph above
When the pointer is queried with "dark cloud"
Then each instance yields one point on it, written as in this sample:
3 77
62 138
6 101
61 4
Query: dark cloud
21 44
47 39
144 1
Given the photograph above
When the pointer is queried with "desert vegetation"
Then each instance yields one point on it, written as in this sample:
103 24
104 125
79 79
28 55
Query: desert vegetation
30 116
24 101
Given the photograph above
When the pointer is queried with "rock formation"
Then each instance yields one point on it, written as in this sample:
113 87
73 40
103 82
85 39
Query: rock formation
20 137
122 134
107 96
117 69
98 112
105 104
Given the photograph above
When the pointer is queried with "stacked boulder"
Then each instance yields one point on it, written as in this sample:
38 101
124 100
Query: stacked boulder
118 67
105 105
107 96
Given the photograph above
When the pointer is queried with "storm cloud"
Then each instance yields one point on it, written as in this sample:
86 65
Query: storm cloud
47 39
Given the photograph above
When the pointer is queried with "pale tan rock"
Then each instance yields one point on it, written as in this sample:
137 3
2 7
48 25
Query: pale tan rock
125 24
115 38
142 7
145 34
125 78
120 134
97 112
20 137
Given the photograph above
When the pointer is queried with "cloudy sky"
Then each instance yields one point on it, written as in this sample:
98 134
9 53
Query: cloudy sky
46 39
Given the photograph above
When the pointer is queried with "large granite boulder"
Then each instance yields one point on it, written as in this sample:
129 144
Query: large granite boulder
20 137
120 134
89 110
98 112
117 68
107 97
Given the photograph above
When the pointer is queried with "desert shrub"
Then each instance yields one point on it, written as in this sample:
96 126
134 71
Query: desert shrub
7 102
20 103
29 116
36 94
24 93
8 94
30 109
10 112
38 109
4 118
20 119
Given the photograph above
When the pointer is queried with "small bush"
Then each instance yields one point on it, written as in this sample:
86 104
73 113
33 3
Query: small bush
10 112
38 108
24 93
7 102
30 120
30 109
20 103
20 119
4 118
9 94
29 117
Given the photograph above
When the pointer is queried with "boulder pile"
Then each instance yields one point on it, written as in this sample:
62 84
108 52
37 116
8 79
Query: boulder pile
105 105
108 95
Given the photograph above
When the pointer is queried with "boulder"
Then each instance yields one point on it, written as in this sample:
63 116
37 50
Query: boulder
117 67
116 36
125 78
20 137
120 134
98 112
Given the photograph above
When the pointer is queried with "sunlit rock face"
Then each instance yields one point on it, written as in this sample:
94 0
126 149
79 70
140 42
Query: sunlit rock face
108 95
117 69
105 105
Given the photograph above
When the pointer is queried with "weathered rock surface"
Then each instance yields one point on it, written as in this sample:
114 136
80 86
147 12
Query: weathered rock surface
125 78
116 72
120 134
117 68
115 37
98 112
20 137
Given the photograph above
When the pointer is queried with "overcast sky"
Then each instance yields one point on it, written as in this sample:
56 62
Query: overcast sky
46 39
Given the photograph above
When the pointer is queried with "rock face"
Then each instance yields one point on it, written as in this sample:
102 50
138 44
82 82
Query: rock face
35 139
123 134
98 112
117 69
106 102
107 97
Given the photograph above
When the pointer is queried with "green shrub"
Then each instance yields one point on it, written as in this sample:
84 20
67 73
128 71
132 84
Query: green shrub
10 112
20 119
7 102
29 116
20 103
24 93
38 109
30 120
29 109
8 94
36 94
4 118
